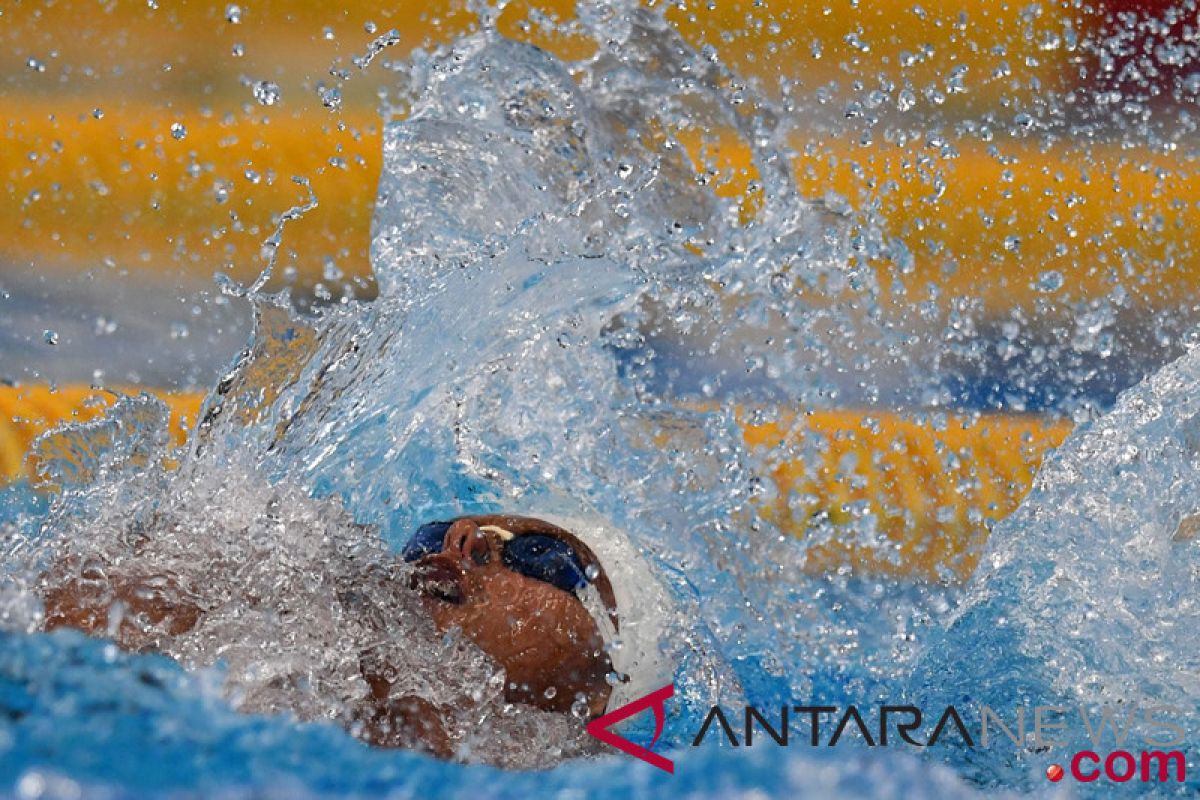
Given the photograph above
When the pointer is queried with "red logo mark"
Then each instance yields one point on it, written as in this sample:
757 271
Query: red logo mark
657 699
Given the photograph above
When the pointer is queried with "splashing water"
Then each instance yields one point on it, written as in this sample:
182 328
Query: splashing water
543 231
1088 593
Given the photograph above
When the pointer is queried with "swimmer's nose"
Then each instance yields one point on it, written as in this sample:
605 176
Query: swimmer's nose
465 547
471 546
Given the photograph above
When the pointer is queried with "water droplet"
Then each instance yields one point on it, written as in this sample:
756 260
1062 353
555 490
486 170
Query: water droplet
550 692
331 97
35 65
615 678
1191 338
370 27
31 784
50 337
1050 281
178 131
238 50
233 14
98 113
592 572
331 271
955 83
266 92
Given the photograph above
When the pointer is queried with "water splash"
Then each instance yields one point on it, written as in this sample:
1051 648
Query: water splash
1087 595
539 225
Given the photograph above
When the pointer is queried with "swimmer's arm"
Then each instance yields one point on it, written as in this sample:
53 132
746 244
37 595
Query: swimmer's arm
408 721
132 608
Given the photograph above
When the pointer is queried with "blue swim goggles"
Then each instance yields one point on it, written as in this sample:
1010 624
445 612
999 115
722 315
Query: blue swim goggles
538 555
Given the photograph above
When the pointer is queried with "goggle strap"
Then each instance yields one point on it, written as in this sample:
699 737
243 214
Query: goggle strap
504 534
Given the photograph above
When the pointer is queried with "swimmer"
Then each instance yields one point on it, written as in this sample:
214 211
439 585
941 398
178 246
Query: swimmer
528 593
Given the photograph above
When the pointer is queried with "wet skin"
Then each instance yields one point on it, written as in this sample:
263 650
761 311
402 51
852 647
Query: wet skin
543 637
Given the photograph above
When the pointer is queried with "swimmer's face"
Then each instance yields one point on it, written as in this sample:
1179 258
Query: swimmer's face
542 635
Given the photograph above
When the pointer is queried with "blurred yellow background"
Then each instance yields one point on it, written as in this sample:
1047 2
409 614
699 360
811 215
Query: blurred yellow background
95 176
157 142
